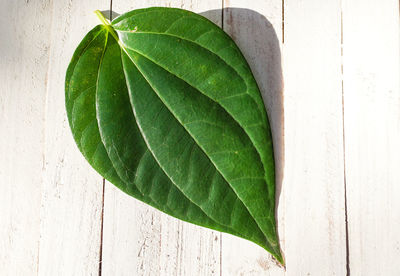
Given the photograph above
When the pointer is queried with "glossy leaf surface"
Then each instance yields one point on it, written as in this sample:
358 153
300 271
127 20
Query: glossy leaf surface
162 104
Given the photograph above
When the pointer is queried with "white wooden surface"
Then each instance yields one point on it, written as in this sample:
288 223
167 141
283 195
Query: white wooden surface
329 72
372 135
314 172
24 57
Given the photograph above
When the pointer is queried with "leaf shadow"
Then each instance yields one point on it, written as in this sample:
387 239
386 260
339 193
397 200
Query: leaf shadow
110 14
258 41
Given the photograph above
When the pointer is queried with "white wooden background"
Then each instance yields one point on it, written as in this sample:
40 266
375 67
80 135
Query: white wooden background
330 76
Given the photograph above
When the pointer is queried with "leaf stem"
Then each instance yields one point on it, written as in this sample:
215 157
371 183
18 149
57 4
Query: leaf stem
108 26
103 20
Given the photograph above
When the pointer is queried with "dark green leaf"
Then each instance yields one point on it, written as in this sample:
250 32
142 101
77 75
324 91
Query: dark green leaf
162 104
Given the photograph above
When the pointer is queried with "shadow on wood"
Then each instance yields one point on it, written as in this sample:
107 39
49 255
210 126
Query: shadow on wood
257 40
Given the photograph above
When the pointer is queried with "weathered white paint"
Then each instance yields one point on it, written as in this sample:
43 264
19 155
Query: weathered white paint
140 240
314 163
372 134
72 190
24 55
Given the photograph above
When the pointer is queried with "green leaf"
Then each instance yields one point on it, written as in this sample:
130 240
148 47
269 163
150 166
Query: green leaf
162 103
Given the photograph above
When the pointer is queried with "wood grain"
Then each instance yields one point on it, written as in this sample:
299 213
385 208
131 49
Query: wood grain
372 135
24 55
72 190
313 186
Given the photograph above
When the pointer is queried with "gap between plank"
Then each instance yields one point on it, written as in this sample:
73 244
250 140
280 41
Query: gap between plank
222 15
220 234
103 196
101 228
344 148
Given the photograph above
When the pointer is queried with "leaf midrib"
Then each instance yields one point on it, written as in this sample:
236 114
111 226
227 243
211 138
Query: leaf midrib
199 90
260 109
113 166
195 88
137 67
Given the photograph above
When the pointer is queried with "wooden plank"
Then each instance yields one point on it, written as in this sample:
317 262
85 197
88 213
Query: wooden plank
315 236
256 26
24 57
72 190
140 240
372 134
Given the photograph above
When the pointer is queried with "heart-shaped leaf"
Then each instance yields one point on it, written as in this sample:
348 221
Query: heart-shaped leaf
162 103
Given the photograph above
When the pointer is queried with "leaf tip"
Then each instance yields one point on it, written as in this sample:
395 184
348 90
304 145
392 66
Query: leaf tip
279 258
